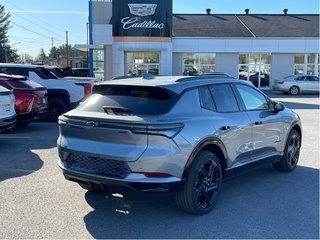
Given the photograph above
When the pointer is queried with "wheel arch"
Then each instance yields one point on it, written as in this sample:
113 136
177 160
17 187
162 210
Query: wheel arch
213 145
298 128
61 94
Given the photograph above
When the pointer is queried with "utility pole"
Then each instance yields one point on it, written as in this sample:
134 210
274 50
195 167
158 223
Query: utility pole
67 45
51 43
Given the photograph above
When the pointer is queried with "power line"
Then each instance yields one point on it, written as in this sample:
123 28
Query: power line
39 19
29 30
46 29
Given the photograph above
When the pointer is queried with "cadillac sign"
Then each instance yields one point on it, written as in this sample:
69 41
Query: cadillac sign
142 18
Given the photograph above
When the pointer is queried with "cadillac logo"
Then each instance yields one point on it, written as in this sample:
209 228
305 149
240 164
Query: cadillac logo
142 9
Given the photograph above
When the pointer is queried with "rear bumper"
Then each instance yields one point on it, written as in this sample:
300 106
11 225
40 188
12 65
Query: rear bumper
8 123
136 182
34 114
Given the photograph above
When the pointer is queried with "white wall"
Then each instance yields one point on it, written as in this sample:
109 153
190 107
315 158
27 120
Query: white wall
282 65
177 68
252 45
228 63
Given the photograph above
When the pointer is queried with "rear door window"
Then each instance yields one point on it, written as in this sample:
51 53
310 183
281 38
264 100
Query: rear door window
224 98
129 100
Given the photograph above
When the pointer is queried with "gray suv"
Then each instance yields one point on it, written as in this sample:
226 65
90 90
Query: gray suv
175 134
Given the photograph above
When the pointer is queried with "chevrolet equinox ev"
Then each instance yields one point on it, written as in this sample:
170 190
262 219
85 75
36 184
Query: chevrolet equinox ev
175 134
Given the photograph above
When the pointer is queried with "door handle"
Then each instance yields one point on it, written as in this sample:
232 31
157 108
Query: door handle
225 128
258 123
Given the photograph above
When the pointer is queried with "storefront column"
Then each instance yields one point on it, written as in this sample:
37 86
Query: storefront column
108 73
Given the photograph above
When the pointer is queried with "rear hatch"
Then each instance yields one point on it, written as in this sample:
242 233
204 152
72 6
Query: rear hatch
6 103
27 89
114 122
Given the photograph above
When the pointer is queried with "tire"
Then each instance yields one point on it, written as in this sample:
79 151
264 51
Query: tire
294 90
291 153
57 107
199 193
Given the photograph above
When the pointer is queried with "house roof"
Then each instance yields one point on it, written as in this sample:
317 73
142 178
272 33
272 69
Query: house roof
243 25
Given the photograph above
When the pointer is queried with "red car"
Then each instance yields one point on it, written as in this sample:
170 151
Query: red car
30 98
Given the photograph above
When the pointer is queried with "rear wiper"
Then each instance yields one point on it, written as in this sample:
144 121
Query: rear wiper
113 109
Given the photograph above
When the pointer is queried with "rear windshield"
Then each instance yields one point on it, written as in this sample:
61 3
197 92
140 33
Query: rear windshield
129 100
47 73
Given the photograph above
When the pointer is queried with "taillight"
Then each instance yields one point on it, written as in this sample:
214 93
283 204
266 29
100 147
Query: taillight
87 88
167 130
24 103
280 82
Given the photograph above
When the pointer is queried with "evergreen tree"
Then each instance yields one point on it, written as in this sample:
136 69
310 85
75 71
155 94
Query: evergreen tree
7 53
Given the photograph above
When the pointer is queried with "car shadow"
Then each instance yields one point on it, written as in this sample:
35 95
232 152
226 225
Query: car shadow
260 204
16 149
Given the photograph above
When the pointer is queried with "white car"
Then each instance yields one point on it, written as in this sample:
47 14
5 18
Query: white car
8 118
296 84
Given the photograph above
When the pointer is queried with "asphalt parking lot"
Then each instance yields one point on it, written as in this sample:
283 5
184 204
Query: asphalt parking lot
36 202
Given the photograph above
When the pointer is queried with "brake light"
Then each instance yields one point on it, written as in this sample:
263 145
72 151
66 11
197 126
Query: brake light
24 103
167 130
87 88
280 82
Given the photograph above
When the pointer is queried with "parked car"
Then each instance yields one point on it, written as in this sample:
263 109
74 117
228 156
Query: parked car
59 74
180 134
63 94
7 113
214 74
296 84
30 98
264 79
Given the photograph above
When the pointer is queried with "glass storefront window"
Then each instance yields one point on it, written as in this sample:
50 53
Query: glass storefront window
198 62
138 63
243 58
255 68
306 63
98 63
299 58
254 59
310 70
298 69
266 58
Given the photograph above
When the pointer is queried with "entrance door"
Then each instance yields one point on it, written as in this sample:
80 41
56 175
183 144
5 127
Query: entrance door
138 63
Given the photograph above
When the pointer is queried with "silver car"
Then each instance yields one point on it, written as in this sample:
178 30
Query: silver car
296 84
179 134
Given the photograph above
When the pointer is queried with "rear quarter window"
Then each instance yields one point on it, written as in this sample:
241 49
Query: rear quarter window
129 100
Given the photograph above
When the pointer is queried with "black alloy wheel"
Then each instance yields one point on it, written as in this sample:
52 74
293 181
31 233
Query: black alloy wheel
56 108
200 191
291 155
207 184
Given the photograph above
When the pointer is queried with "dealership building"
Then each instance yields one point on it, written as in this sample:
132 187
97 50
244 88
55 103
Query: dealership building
131 37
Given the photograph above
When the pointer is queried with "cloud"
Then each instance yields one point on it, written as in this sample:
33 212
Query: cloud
47 11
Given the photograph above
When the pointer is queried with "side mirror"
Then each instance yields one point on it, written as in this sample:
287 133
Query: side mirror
278 107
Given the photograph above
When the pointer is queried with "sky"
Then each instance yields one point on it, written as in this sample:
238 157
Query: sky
40 24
